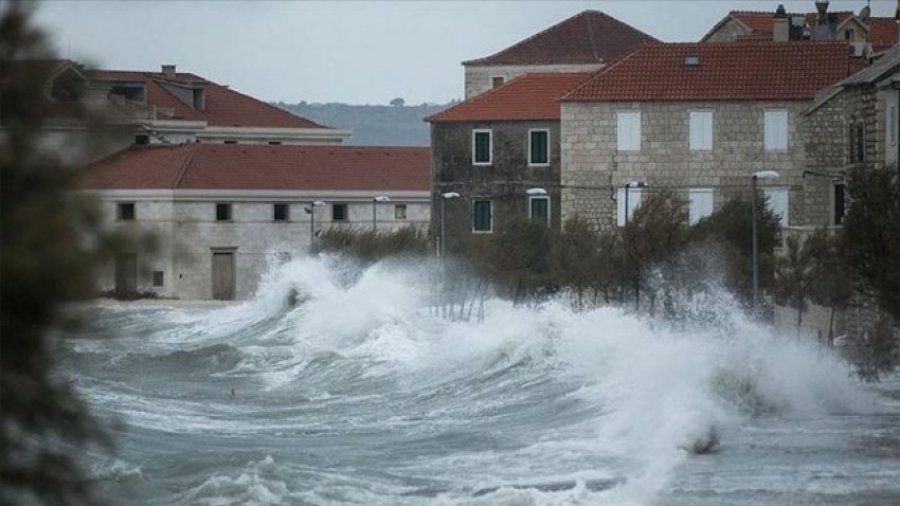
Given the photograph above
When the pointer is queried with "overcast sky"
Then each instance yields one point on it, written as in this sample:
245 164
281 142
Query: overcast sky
356 52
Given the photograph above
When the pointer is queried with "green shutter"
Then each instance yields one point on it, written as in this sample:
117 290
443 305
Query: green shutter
482 147
482 216
539 147
540 209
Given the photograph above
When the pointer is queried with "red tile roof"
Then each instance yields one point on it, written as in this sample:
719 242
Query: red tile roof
263 167
224 106
527 97
587 37
882 31
727 71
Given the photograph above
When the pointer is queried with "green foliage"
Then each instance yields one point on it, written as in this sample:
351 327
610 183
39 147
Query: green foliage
369 246
731 228
794 271
50 249
830 278
872 236
517 259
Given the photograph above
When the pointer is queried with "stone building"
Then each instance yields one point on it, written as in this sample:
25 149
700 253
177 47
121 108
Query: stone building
582 43
697 118
866 34
221 213
500 152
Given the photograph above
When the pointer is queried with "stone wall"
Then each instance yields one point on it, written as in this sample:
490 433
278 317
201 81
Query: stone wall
504 181
480 78
592 168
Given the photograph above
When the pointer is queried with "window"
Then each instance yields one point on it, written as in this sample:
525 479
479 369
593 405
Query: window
125 211
539 209
481 215
857 143
628 130
634 201
775 130
893 121
481 147
839 203
778 202
701 127
339 212
497 81
400 212
274 143
223 212
157 278
538 147
700 204
142 139
281 212
230 142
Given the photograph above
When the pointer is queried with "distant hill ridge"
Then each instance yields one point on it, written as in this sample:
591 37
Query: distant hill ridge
373 125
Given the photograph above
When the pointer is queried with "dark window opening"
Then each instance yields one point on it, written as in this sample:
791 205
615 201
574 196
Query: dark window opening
157 278
400 212
482 148
857 143
126 211
498 81
142 139
231 142
539 148
223 212
281 212
840 203
274 143
481 216
339 212
540 209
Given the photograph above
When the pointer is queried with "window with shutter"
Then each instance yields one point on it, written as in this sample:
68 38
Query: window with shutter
775 130
481 215
701 130
538 147
628 131
634 202
700 204
539 209
481 147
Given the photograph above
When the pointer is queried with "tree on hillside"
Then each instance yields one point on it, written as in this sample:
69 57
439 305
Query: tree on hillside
398 102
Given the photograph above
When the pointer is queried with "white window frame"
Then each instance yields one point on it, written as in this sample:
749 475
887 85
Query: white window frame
532 199
534 164
634 202
634 131
703 210
482 199
771 192
701 131
490 133
773 140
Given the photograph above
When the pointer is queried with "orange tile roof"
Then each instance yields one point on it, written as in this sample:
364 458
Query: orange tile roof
262 167
224 106
882 31
527 97
727 71
587 37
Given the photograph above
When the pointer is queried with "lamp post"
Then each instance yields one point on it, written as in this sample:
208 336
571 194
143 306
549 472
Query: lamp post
628 186
444 198
311 211
763 174
375 201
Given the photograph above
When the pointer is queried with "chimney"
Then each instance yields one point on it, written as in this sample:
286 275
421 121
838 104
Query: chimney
822 8
168 71
781 25
865 13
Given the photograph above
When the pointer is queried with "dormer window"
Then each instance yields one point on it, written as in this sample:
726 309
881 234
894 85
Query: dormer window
692 60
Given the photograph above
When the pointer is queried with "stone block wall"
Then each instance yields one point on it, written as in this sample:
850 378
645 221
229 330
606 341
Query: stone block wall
592 167
480 78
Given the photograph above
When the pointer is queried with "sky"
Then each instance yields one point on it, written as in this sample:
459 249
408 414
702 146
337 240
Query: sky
358 52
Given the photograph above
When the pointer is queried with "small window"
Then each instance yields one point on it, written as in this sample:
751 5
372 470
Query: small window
539 209
125 211
839 203
628 130
634 202
701 130
692 60
893 121
857 143
538 147
778 202
157 278
142 139
339 212
274 143
700 204
481 147
231 142
481 215
775 130
281 212
400 212
497 81
223 212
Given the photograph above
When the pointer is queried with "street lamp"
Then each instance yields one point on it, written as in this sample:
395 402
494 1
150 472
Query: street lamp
444 198
628 186
763 174
375 201
311 211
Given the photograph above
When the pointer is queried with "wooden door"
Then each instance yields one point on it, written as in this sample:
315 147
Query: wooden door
126 274
223 276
